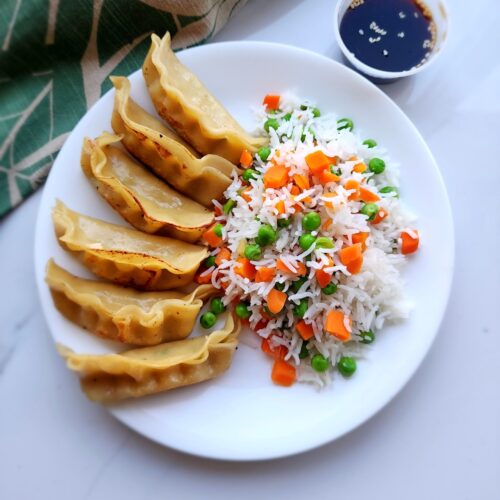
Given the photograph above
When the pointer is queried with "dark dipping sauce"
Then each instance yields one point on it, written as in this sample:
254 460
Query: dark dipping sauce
390 35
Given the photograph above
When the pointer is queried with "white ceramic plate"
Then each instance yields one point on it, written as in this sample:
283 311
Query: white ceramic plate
242 415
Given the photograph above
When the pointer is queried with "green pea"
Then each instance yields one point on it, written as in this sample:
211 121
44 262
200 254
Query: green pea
210 261
370 210
376 165
228 206
319 363
250 173
303 107
316 112
329 289
370 143
271 123
208 320
324 242
253 252
390 190
218 230
367 337
266 235
216 305
311 221
297 284
346 366
242 310
304 351
306 241
282 223
300 309
280 286
264 153
287 117
303 136
345 123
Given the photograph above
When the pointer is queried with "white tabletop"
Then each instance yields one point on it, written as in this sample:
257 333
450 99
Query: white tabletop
440 438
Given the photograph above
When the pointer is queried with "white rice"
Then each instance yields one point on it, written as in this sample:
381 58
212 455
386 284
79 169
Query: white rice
370 298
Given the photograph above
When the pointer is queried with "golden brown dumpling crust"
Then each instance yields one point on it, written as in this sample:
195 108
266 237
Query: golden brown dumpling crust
123 314
138 196
149 140
124 255
183 101
148 370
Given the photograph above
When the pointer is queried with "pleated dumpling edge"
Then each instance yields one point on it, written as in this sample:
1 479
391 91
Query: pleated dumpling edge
123 314
142 199
149 370
184 102
124 255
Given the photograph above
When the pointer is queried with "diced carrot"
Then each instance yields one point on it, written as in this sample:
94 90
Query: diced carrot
333 160
359 168
224 254
224 283
360 238
246 158
271 101
245 268
350 254
294 190
307 199
354 267
409 244
278 352
276 177
367 196
260 324
265 274
352 184
203 280
352 158
305 329
244 194
301 181
217 210
276 300
283 373
301 268
317 162
280 207
323 278
335 325
326 224
381 215
211 238
326 176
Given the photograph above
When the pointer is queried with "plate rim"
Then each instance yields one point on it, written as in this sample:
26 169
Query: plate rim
127 417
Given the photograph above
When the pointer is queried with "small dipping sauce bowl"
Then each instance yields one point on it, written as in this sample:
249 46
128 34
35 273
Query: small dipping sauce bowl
381 26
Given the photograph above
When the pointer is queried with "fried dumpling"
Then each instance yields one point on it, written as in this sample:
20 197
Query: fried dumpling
124 314
183 101
138 196
148 370
124 255
149 140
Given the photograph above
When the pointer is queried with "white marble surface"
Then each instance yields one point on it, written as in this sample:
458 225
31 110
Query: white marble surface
439 438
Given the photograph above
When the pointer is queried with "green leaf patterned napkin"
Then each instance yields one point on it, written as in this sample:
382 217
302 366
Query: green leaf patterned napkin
55 59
